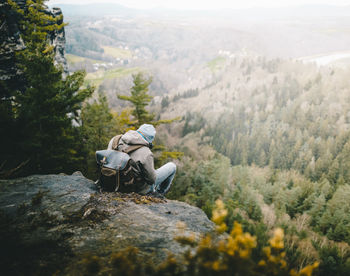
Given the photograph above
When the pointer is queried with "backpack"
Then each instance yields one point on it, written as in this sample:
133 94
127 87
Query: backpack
117 171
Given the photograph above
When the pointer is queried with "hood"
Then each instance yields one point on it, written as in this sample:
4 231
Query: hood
147 132
132 137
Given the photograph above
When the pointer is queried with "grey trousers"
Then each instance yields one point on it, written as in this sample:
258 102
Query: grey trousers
165 175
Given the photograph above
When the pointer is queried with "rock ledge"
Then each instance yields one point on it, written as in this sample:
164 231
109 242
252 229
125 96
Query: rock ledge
50 221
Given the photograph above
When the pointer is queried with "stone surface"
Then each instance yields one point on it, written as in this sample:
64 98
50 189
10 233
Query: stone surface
48 222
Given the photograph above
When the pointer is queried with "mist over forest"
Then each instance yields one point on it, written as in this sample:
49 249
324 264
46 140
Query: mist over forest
262 101
176 47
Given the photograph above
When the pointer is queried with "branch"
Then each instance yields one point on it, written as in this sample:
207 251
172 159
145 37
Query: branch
6 174
169 121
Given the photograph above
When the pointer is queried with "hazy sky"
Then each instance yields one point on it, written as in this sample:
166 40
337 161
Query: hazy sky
205 4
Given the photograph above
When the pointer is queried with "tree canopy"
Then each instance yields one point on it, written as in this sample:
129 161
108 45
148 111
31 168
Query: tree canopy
42 113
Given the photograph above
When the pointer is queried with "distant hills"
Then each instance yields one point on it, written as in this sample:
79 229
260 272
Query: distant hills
98 9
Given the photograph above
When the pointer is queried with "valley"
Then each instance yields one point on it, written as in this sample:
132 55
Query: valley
263 102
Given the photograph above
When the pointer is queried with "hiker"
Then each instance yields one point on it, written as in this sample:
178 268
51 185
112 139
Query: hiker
154 181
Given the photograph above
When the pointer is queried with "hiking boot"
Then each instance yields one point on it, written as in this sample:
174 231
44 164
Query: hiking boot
156 195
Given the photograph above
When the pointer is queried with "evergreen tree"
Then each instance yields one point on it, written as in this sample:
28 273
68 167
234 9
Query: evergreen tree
46 107
140 99
97 129
317 210
335 219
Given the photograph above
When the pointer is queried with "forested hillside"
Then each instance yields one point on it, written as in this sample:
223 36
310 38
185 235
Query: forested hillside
282 114
284 128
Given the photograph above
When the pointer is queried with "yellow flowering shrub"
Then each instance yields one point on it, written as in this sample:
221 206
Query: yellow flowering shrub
232 254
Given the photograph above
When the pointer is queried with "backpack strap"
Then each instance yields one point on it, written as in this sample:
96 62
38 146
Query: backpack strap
130 149
118 182
115 142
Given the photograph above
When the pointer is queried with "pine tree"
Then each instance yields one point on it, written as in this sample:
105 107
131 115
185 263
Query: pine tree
140 99
317 210
97 129
46 107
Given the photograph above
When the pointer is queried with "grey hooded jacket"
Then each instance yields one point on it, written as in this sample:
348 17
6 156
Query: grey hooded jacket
142 156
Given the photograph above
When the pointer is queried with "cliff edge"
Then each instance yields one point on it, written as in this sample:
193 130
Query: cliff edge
50 222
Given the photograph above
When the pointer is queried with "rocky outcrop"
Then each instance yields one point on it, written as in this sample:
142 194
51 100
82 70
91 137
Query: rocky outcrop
49 222
10 42
58 39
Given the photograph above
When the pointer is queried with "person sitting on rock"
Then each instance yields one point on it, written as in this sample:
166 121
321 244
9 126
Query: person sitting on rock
155 181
